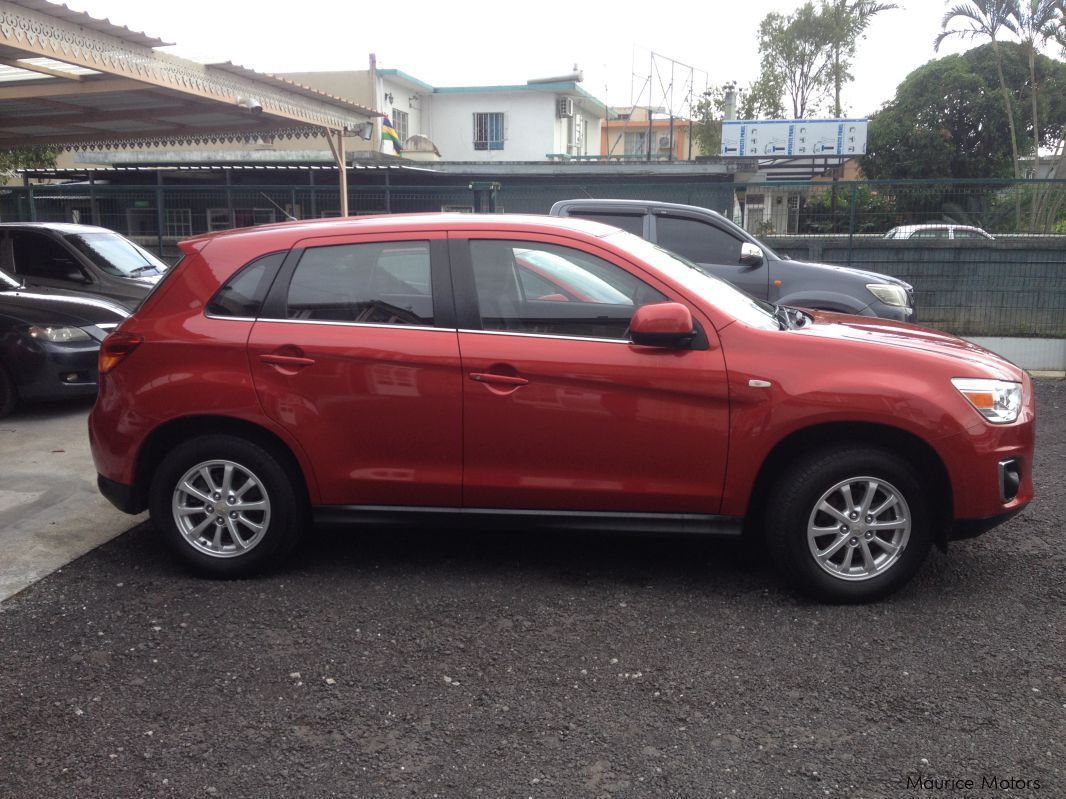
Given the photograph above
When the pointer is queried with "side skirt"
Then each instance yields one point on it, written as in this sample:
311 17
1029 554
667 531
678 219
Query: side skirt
694 523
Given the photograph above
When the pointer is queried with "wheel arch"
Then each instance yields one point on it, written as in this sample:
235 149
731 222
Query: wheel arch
863 434
165 437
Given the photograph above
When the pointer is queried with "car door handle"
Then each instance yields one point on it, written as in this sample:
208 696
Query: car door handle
500 380
292 361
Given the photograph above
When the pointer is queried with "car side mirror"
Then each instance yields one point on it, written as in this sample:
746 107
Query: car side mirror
751 254
662 324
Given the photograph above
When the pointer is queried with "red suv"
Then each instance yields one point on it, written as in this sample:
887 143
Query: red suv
533 369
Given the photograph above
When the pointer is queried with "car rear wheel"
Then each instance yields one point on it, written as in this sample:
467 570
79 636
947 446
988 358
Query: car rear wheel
9 396
225 505
848 524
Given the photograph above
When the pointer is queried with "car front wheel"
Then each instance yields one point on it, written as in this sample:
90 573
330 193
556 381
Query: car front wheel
225 505
848 524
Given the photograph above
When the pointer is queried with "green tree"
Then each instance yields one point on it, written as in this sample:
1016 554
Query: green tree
795 52
983 19
847 21
762 99
758 101
1034 22
27 158
947 119
707 120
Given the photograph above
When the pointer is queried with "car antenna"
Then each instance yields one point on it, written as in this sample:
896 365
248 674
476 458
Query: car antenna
285 213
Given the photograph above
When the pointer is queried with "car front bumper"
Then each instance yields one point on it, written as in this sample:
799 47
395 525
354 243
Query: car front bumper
46 371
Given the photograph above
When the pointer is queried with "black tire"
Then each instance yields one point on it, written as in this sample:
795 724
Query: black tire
283 515
791 508
9 395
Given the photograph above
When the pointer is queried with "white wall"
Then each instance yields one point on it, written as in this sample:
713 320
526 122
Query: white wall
404 99
531 127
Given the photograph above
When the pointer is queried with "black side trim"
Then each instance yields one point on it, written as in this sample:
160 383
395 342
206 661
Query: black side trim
120 495
971 528
697 523
276 302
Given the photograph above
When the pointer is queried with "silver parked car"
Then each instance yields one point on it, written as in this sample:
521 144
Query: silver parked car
945 231
81 258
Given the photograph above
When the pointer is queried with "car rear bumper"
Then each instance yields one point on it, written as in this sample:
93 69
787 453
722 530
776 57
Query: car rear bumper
120 495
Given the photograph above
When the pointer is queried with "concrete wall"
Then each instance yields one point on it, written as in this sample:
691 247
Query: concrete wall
531 126
1003 288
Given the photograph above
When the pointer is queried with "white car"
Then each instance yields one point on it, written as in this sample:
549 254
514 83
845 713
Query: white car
938 231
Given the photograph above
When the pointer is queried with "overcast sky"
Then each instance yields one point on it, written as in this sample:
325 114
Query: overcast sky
461 43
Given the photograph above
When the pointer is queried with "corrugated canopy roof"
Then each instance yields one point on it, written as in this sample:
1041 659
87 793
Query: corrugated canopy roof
68 79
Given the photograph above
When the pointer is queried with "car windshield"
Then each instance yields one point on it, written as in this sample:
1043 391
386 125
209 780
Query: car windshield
116 255
719 293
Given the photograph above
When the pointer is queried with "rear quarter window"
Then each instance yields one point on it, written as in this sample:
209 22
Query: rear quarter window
243 294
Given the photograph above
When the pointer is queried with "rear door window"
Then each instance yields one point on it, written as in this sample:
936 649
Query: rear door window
698 241
373 283
630 223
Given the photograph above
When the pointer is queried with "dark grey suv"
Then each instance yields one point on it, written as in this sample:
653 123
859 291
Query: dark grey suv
730 252
81 258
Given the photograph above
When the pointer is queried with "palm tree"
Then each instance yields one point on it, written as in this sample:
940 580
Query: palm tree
984 19
1034 22
848 20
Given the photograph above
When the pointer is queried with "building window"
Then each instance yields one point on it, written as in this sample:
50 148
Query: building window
488 131
399 124
635 143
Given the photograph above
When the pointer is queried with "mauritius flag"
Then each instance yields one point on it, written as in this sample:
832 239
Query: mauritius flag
388 133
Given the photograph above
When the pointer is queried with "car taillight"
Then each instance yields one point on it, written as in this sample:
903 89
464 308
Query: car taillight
115 348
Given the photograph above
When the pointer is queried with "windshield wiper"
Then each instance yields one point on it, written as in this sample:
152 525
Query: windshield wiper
140 269
781 315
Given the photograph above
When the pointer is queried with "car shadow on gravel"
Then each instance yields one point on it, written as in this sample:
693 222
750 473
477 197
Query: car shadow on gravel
709 566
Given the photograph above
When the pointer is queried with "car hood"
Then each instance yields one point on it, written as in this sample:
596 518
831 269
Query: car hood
884 332
51 307
873 277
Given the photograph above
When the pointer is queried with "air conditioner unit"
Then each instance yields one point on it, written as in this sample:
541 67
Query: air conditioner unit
664 142
565 107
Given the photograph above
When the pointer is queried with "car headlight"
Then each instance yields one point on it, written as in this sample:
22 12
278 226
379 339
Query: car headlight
58 334
888 294
999 401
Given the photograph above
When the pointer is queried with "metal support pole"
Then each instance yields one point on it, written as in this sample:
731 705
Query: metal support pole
94 206
388 192
229 198
337 148
160 214
851 221
314 193
33 203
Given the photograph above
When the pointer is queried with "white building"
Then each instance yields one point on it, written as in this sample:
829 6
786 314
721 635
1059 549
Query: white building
540 120
523 122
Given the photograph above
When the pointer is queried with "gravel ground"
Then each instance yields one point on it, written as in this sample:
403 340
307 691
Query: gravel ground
425 664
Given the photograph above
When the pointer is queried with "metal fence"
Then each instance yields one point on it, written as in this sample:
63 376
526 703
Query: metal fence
1027 207
1014 285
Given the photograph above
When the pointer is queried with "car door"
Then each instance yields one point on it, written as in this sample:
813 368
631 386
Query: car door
561 411
356 354
713 247
40 260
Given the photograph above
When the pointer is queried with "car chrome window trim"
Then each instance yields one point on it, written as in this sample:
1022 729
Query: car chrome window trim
335 323
546 335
